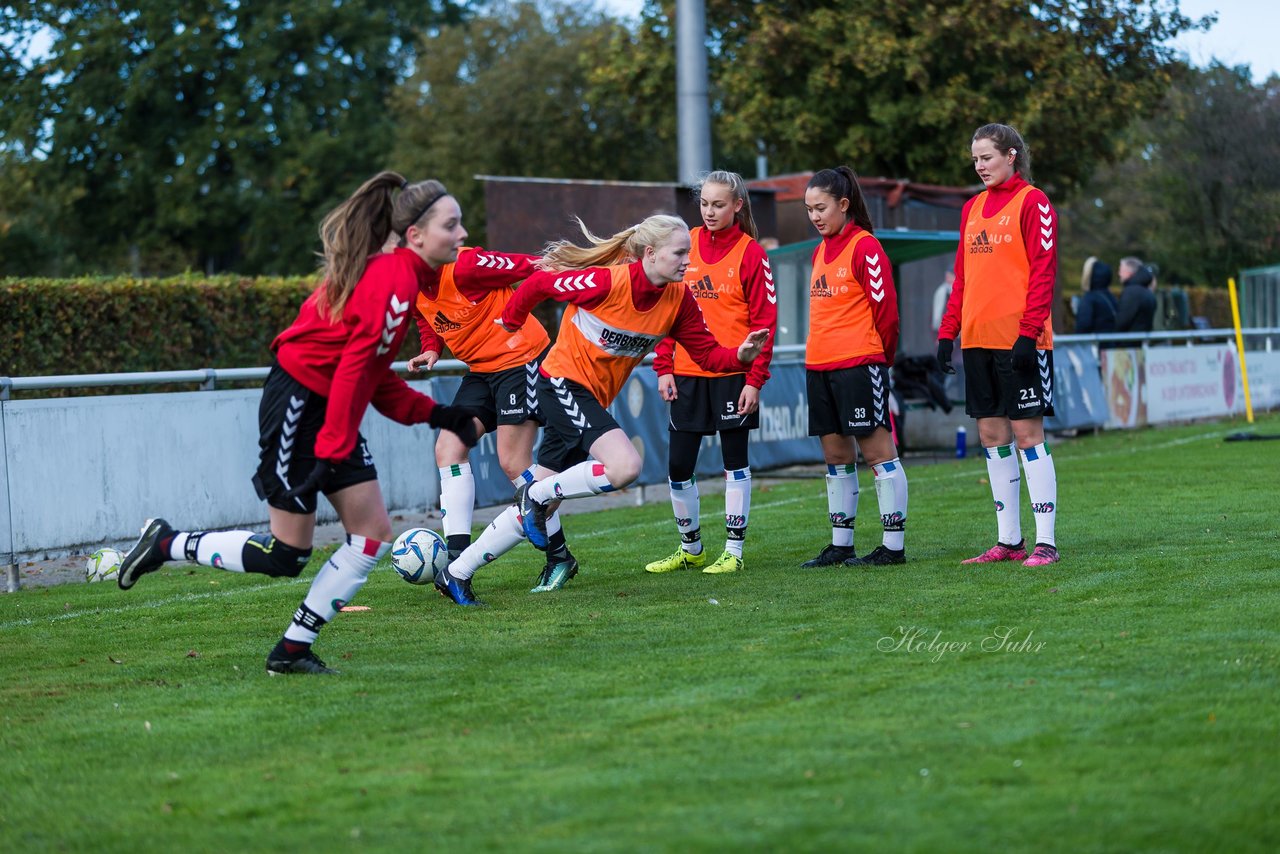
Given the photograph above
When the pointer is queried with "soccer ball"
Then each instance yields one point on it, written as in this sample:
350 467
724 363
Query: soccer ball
102 564
418 554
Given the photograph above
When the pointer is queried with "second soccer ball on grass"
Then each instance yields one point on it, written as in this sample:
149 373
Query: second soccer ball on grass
102 564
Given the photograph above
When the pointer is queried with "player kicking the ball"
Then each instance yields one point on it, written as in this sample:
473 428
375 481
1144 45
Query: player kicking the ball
621 304
329 366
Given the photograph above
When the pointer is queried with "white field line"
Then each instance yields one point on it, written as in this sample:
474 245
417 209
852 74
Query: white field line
918 476
153 603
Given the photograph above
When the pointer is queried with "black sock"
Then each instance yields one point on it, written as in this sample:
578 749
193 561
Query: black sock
285 648
557 548
457 545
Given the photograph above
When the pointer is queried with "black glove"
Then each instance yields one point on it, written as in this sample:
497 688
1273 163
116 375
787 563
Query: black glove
456 420
1024 353
315 481
945 348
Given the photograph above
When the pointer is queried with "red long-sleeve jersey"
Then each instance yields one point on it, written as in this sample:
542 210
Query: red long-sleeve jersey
349 362
872 268
756 277
1042 254
475 273
689 328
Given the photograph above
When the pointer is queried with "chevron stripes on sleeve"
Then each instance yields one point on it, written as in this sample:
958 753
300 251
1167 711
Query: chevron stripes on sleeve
585 288
873 268
479 271
377 319
1040 235
762 308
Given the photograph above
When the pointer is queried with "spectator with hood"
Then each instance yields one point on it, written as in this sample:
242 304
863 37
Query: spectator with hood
1098 306
1137 310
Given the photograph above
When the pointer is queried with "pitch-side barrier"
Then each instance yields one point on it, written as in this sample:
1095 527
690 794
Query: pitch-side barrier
80 473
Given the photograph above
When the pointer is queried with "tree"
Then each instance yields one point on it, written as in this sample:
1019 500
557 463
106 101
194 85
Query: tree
211 134
1198 190
513 93
897 89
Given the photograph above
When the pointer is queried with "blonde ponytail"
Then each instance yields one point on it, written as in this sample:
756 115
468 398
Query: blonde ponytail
622 248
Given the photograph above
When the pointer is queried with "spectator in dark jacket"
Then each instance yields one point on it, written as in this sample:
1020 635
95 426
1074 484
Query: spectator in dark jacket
1137 310
1098 306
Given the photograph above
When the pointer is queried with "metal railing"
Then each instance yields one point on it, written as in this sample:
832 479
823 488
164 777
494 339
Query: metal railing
1190 336
1260 340
207 379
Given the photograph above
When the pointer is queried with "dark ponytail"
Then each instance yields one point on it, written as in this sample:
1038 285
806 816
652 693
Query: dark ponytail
842 183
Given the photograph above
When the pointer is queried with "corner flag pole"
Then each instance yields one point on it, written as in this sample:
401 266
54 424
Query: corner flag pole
1244 370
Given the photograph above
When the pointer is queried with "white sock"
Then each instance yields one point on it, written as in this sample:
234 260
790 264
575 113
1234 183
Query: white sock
1042 486
842 502
1002 471
737 508
335 585
503 534
578 481
457 498
687 508
891 495
219 549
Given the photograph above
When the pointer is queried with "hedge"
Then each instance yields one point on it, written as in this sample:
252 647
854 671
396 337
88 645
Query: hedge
109 325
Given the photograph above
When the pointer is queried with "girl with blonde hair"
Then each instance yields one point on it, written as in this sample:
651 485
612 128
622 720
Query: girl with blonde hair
620 305
730 279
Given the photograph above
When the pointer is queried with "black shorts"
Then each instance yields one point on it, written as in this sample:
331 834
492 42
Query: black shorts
992 388
574 420
848 401
289 419
708 405
502 397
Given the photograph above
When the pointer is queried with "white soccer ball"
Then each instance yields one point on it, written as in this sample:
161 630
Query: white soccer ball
418 554
102 564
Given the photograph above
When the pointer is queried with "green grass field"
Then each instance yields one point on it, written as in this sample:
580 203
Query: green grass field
771 710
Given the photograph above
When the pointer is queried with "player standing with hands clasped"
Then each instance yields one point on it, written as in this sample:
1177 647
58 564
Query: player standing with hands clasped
1006 265
853 337
730 278
329 366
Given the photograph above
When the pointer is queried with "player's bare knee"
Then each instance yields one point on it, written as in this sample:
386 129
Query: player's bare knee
449 451
511 470
624 473
264 554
